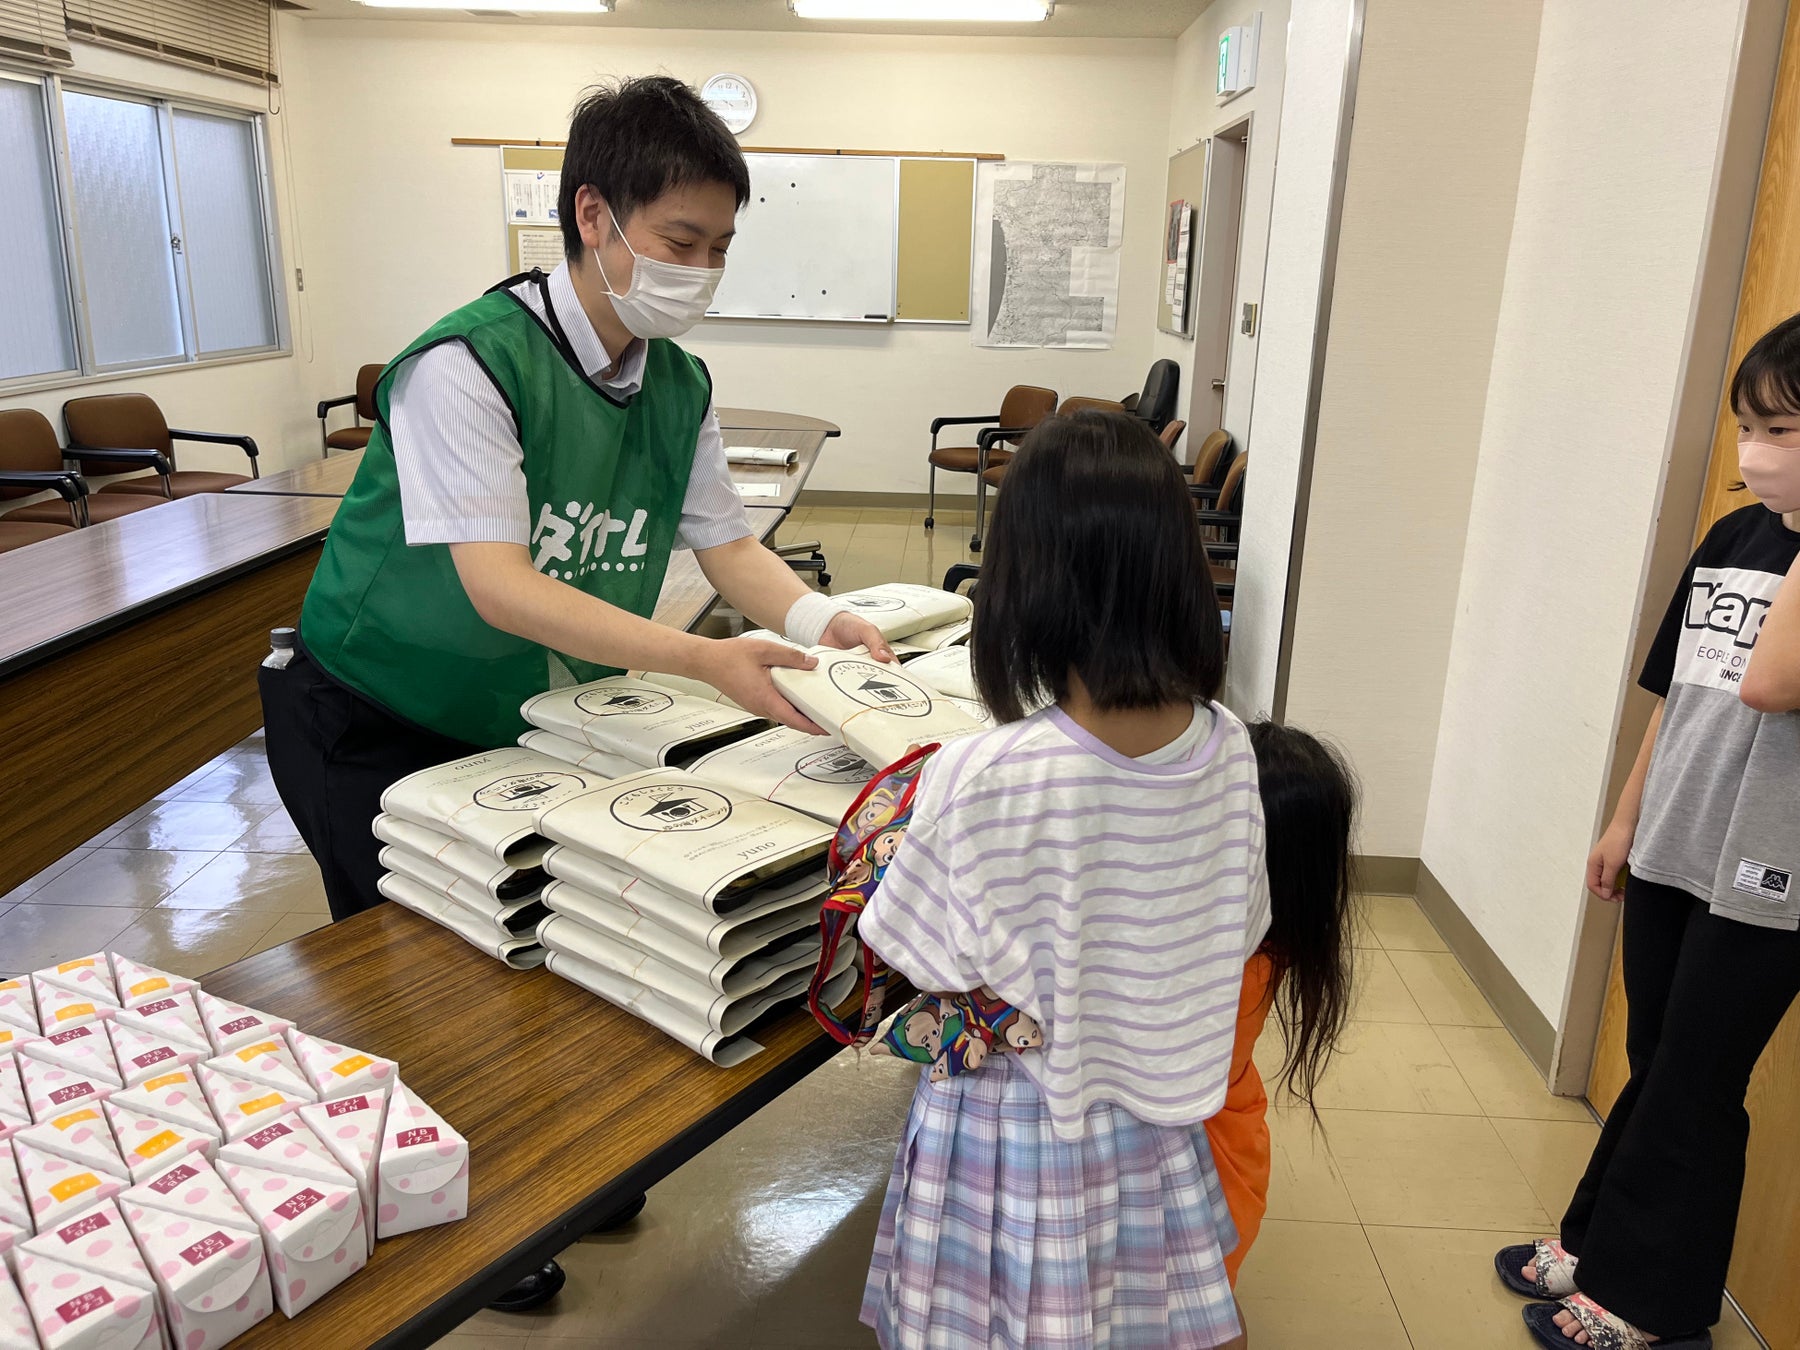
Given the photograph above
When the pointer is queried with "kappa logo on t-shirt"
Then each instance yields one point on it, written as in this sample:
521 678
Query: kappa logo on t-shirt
1763 881
1725 611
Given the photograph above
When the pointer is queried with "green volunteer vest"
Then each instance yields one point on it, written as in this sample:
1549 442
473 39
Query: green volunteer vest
606 480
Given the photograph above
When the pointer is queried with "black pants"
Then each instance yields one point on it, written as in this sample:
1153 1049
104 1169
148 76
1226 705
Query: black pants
1653 1219
332 753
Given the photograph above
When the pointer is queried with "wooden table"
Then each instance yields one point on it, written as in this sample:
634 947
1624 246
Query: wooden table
788 480
570 1107
315 478
687 596
138 637
761 419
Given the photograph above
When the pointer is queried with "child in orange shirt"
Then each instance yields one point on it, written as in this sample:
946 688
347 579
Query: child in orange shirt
1302 970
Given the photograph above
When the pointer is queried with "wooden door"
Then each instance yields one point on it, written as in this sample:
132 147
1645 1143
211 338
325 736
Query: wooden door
1767 1254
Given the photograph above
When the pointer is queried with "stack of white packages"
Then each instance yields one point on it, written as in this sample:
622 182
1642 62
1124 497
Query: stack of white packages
637 724
463 847
946 670
690 904
175 1166
901 610
878 710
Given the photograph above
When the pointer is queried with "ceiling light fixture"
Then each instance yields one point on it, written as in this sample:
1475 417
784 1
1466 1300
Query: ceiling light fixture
520 7
926 11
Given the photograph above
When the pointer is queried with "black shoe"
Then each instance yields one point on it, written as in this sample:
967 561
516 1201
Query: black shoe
621 1216
534 1291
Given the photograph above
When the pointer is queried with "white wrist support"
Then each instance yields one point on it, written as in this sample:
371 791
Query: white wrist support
809 616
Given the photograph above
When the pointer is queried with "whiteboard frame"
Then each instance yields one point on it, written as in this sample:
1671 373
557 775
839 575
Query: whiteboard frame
894 270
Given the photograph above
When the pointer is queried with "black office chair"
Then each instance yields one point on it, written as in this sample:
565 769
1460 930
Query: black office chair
1155 404
959 574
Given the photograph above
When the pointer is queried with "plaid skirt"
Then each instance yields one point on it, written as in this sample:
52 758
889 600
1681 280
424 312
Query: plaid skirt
996 1235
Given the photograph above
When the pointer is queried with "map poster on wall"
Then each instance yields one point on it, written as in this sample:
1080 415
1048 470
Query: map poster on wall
1047 239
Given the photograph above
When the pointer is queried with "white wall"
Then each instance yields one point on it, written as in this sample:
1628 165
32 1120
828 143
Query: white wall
1428 210
264 397
1195 113
400 226
1317 45
1615 192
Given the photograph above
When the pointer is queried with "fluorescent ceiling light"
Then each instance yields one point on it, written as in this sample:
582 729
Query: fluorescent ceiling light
926 11
510 6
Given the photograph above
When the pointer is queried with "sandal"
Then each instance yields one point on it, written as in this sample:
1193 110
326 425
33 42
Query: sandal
1605 1330
1555 1269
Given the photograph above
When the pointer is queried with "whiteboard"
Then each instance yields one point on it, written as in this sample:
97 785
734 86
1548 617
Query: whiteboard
819 239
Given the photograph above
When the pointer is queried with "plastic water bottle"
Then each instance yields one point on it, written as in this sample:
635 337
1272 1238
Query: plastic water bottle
281 649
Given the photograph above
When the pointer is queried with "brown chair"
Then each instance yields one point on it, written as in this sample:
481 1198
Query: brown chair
17 536
356 436
1211 464
117 433
31 461
1024 406
990 473
1170 435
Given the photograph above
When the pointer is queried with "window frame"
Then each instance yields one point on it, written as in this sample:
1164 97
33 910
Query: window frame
88 371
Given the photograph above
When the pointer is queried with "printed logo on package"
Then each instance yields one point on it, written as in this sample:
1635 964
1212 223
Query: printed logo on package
875 687
528 791
840 764
872 604
671 808
623 702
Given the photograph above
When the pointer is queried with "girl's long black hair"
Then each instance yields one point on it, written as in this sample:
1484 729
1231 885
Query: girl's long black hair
1309 804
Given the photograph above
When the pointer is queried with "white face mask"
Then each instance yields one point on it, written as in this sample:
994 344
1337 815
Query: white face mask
664 299
1772 472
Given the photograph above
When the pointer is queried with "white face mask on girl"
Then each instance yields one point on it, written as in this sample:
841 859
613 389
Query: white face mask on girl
664 299
1772 472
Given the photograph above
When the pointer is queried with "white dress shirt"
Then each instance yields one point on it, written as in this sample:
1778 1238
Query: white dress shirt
461 467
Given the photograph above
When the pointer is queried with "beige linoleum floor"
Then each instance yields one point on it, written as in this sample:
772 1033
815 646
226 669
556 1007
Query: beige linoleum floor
1438 1141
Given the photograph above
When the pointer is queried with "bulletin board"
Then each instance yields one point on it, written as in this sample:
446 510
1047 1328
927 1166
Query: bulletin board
926 264
1175 275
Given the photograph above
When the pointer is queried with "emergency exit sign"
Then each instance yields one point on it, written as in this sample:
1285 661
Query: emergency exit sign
1237 57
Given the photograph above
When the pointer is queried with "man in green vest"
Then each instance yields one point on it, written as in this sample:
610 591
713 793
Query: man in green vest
537 455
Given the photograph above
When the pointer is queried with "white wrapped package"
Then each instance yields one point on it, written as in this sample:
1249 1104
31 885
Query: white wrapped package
77 1310
682 684
85 1051
59 1009
288 1146
506 918
175 1096
722 1047
791 947
139 983
231 1025
150 1145
17 1007
193 1189
945 671
213 1280
12 1037
143 1053
645 723
519 953
975 710
312 1231
936 639
351 1128
242 1105
714 846
57 1189
900 609
15 1209
815 775
876 709
491 800
270 1063
729 935
16 1332
485 874
340 1070
423 1174
175 1016
96 1241
50 1089
578 754
80 1136
90 977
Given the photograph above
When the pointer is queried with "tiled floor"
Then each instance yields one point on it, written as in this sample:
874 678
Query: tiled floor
1436 1143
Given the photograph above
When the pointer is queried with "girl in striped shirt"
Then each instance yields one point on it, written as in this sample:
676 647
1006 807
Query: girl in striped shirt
1098 863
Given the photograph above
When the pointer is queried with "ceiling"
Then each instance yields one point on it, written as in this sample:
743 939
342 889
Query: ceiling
1072 19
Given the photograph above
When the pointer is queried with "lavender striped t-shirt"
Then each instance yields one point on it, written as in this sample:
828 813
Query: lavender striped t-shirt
1114 899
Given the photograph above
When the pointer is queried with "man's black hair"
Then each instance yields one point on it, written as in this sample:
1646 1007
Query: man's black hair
1094 568
1767 381
633 140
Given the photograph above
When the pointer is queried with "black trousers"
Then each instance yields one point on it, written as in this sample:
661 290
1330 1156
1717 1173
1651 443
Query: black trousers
1654 1218
332 753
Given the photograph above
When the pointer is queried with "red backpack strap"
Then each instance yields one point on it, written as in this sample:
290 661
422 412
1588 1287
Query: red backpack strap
854 869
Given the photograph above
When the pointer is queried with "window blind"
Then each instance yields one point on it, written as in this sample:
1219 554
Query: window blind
34 29
229 36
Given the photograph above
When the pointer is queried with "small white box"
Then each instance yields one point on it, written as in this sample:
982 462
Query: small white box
336 1071
312 1230
142 1053
269 1062
16 1331
240 1105
149 1144
174 1017
213 1280
423 1173
15 1112
12 1037
96 1241
15 1210
287 1146
78 1136
17 1007
139 984
76 1310
351 1128
50 1090
175 1096
86 976
191 1189
85 1050
57 1189
231 1025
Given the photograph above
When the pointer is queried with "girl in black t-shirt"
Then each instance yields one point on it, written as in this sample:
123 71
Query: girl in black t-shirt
1710 824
